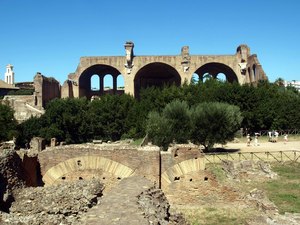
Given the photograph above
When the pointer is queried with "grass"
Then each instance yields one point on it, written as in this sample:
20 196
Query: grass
217 171
137 142
285 191
213 216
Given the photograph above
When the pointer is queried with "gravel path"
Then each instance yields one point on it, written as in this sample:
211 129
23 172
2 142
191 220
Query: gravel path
264 146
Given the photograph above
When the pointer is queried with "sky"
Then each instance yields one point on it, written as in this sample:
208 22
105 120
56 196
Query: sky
51 36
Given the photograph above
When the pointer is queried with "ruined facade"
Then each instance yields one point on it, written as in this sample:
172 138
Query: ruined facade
26 106
46 89
143 71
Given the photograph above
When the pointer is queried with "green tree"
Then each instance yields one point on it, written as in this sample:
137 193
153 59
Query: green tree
214 122
8 123
158 130
67 120
110 117
173 124
29 129
178 117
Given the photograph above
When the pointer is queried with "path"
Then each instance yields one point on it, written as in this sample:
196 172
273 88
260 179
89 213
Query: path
264 146
120 205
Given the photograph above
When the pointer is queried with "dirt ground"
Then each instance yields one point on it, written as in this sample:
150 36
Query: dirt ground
263 146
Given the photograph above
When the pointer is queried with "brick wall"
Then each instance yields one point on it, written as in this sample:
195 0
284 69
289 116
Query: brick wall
64 162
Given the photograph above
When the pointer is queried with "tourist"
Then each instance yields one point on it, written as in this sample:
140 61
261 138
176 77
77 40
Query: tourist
248 139
285 138
256 140
270 136
276 134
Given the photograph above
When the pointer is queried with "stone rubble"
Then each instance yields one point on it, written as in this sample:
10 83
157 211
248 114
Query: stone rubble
11 177
58 204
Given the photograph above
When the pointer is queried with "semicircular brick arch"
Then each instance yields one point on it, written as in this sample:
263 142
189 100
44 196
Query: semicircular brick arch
179 169
214 68
86 163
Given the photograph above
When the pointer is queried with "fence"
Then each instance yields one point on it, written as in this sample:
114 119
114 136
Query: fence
281 132
276 156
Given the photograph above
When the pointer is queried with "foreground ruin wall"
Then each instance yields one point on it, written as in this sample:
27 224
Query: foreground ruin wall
75 162
180 161
11 177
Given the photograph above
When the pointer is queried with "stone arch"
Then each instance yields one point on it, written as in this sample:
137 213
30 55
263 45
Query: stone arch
214 69
155 74
86 163
179 169
101 70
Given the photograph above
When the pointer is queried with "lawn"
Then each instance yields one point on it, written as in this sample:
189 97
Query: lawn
285 191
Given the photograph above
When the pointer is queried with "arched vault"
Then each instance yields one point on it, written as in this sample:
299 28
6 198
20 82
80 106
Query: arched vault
100 70
213 69
156 74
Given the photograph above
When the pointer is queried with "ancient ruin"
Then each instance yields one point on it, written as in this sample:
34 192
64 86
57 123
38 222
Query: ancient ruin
118 183
138 72
144 71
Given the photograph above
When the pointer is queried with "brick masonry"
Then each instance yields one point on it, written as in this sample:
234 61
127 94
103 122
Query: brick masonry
111 163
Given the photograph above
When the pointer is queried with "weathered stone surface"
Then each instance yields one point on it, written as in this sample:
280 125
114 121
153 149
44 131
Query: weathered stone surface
133 201
60 204
234 169
155 207
11 177
262 202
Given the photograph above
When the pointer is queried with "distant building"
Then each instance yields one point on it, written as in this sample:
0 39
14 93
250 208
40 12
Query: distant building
294 83
8 83
9 75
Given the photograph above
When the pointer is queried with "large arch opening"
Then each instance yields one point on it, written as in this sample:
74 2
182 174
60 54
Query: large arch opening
216 69
157 75
88 85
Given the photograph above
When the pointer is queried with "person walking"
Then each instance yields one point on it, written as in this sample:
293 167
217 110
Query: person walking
276 135
248 139
256 140
285 138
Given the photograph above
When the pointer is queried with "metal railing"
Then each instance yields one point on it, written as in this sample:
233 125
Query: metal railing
274 156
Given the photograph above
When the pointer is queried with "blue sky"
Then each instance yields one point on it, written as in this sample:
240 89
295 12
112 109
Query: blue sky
50 36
